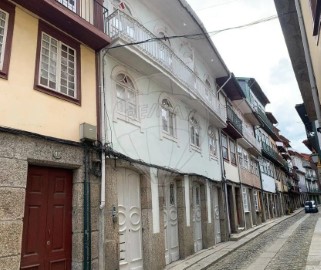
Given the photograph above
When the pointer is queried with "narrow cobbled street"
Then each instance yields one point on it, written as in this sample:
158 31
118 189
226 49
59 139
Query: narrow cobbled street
284 246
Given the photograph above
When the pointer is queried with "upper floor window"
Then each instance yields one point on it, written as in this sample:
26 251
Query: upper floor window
246 160
316 12
4 17
126 96
224 147
256 201
6 31
245 200
70 4
240 155
233 152
212 141
168 118
58 66
194 132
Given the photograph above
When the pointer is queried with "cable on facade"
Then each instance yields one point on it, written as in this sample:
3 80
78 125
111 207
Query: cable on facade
202 35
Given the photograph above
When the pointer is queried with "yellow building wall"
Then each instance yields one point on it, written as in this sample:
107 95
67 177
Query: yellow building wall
22 107
314 43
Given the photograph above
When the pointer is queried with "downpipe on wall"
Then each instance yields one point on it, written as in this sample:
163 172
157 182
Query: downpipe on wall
87 212
101 250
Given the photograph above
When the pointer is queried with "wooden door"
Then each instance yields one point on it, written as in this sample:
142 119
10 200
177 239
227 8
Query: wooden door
46 238
217 226
129 219
171 223
197 218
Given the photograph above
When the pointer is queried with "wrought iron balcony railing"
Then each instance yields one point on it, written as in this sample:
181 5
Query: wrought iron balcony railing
234 119
122 26
265 122
90 10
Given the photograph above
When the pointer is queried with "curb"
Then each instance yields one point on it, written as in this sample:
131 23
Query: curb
207 257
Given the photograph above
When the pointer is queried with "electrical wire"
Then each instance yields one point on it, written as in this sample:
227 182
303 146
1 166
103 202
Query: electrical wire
203 35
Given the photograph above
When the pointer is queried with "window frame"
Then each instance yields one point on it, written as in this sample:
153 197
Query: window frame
128 87
225 147
212 141
232 153
245 200
10 10
256 201
171 112
61 37
195 132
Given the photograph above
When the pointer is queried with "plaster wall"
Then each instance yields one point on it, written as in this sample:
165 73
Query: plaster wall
143 139
232 172
22 107
268 183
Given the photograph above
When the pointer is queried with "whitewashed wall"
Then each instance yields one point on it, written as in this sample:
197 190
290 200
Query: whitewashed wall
143 140
268 183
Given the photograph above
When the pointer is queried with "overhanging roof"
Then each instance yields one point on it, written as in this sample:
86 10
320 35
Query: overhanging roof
291 30
271 118
256 90
232 88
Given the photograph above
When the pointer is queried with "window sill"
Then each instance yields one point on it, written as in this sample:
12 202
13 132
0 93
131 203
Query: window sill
195 148
169 137
213 157
127 119
57 94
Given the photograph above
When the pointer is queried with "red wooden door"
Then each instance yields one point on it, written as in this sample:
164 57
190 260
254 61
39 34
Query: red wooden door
46 239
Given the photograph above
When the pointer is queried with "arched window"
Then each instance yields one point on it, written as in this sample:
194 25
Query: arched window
126 96
212 141
194 132
168 118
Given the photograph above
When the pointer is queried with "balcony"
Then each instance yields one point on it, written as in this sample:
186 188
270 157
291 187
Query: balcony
234 124
266 123
157 58
249 142
272 155
84 20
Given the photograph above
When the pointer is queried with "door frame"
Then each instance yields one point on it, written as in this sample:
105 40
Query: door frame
47 200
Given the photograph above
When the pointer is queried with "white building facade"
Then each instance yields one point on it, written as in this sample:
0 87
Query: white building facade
162 117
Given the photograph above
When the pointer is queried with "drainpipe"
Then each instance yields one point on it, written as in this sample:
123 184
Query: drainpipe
87 212
221 88
224 186
101 255
308 61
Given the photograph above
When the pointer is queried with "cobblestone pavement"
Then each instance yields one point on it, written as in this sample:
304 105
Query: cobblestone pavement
292 255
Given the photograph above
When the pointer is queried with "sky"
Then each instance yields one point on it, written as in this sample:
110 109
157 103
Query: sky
257 51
